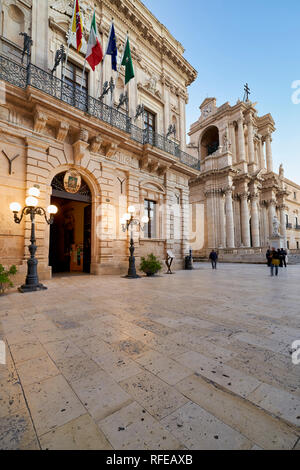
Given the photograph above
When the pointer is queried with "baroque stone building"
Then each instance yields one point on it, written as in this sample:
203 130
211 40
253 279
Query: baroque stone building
49 126
237 194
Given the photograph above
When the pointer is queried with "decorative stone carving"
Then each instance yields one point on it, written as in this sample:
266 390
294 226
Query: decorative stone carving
40 120
96 144
83 135
62 131
276 225
10 160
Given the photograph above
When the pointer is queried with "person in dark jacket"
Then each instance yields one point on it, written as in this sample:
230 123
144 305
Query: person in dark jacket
269 257
275 262
283 255
213 258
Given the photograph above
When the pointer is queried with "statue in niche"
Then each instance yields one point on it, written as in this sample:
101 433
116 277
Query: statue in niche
226 142
276 225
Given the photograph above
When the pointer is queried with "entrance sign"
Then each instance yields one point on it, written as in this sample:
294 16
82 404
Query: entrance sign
72 181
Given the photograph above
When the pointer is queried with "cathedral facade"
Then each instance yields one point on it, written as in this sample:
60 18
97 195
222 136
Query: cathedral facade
65 130
237 193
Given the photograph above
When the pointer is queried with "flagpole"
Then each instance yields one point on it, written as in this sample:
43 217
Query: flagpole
69 42
119 67
103 60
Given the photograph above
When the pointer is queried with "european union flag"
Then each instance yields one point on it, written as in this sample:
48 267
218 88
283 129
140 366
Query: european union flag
112 47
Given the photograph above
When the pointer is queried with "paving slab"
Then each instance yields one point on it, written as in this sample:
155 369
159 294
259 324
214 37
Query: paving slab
200 430
132 428
80 434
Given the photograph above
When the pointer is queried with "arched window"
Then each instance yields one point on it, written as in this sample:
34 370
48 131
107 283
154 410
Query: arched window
209 142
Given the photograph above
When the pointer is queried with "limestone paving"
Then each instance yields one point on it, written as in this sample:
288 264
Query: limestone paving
198 360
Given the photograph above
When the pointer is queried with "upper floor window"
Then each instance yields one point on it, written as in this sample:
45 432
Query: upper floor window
150 211
295 195
149 126
73 94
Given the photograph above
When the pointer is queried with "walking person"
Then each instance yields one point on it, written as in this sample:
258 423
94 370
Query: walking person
213 258
269 257
274 262
284 256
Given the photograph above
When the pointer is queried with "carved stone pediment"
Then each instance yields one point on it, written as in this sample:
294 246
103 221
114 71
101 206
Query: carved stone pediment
146 88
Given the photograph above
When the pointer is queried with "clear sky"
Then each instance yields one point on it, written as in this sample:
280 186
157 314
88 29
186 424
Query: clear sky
231 42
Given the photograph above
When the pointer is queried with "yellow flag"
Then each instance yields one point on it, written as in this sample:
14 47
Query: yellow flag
77 25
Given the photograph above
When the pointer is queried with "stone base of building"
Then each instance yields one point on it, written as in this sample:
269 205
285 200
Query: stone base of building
244 255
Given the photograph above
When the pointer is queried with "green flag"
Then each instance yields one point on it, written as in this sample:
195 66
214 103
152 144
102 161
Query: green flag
127 62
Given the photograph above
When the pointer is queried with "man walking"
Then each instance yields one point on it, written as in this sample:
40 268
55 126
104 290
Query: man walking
213 258
283 255
275 262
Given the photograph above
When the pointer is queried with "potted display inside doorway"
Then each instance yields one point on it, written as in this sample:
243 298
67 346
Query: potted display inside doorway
150 265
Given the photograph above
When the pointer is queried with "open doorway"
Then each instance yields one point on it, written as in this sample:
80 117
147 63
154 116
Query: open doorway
70 233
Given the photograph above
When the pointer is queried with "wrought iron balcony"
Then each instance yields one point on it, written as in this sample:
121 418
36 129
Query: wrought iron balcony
297 227
31 75
289 225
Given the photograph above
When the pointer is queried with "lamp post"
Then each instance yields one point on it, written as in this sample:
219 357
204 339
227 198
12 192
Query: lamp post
127 222
32 281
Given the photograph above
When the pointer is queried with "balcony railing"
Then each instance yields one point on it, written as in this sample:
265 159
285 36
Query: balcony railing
288 225
297 227
22 76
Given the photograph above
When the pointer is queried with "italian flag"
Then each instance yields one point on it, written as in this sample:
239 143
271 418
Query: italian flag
94 53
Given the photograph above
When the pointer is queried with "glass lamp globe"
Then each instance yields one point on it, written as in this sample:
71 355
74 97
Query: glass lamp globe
52 210
131 209
123 221
31 201
15 207
35 192
145 219
127 216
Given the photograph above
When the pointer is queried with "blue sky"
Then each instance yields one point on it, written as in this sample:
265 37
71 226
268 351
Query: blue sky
231 42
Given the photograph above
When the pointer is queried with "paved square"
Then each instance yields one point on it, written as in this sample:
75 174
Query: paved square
198 360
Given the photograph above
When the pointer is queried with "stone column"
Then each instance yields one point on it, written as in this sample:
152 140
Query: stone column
255 221
210 218
283 209
250 140
245 220
241 140
222 222
261 154
272 213
232 138
269 157
229 218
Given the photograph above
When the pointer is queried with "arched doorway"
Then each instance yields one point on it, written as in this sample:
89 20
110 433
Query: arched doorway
70 233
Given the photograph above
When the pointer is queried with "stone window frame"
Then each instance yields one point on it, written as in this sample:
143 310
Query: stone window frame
155 192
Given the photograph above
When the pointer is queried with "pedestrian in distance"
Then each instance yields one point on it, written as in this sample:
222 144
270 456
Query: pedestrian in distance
269 257
213 258
284 257
275 262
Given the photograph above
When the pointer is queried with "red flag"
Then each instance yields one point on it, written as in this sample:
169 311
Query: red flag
77 25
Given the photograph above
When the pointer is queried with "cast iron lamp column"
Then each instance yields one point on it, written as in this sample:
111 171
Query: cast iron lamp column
127 221
32 281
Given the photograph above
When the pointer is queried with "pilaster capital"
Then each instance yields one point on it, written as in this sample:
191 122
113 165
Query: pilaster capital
228 191
244 196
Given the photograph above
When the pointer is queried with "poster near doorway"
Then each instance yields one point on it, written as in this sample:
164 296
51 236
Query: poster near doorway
70 234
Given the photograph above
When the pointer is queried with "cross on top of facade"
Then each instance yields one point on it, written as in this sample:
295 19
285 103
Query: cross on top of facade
247 92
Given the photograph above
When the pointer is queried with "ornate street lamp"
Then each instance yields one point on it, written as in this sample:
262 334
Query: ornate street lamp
32 281
128 221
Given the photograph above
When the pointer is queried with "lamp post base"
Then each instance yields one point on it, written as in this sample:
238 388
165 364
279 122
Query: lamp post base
132 276
31 288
